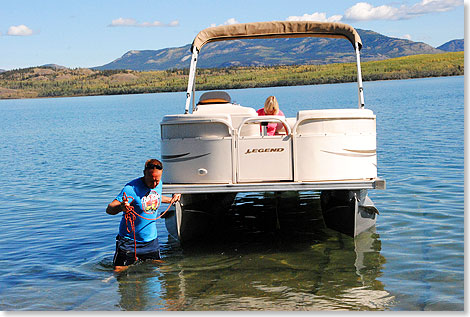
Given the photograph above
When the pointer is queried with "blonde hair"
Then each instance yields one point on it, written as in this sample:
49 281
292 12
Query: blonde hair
271 106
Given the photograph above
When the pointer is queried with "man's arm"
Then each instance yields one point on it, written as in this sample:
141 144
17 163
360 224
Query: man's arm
115 207
173 199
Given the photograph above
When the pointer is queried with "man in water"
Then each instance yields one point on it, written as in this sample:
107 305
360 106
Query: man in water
139 201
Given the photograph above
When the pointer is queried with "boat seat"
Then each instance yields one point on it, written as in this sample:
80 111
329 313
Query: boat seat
291 122
334 121
196 125
214 97
223 108
334 114
236 113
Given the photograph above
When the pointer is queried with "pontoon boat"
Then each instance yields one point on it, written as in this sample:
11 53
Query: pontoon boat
217 149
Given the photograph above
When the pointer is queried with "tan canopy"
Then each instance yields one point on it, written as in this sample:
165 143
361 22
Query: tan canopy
277 29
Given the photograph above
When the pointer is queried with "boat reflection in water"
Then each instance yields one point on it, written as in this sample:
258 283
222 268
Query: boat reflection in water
282 258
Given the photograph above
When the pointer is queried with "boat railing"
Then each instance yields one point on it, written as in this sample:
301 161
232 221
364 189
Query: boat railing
260 120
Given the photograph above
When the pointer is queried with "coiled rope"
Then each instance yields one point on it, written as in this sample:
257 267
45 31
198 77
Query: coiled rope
130 216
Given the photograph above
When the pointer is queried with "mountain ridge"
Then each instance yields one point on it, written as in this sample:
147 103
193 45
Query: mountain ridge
273 52
452 46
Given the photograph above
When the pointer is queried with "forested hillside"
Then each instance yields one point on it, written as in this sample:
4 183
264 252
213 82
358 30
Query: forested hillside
61 82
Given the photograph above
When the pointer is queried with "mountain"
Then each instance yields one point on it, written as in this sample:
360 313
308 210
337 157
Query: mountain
54 66
2 70
151 60
269 52
453 46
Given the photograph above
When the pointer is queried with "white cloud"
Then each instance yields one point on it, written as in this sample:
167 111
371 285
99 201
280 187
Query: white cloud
123 22
231 21
228 22
429 6
174 23
364 11
407 36
150 24
132 22
317 16
19 30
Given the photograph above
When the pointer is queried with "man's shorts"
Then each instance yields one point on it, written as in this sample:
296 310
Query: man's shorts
125 255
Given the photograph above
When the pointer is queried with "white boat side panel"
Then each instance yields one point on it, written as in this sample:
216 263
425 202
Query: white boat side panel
336 157
197 160
335 144
328 145
194 130
345 126
265 159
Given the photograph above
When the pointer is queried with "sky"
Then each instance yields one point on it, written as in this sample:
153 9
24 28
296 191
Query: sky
90 33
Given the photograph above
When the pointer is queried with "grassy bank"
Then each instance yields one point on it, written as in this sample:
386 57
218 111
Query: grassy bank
47 82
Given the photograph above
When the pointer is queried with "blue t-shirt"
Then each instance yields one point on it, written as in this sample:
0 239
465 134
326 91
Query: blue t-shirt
145 202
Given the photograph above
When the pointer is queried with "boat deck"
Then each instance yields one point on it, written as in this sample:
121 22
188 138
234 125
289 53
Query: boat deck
273 186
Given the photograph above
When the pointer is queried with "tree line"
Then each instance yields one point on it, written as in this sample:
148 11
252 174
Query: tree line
37 82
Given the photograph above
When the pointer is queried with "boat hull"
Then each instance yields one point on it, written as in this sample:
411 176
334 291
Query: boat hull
201 216
196 215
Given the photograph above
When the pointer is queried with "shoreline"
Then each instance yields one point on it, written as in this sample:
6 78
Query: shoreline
164 92
43 82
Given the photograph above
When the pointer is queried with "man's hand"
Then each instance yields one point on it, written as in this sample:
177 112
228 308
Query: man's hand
175 198
125 206
172 200
117 206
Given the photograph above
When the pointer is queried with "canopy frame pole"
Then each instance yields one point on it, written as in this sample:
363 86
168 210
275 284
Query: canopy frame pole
194 91
192 75
360 88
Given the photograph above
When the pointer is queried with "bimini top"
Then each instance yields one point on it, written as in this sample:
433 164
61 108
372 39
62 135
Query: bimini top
277 29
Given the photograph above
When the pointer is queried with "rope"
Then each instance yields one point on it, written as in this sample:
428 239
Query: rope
130 217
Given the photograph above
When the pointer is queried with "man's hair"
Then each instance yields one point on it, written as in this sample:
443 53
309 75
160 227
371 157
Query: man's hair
271 105
154 162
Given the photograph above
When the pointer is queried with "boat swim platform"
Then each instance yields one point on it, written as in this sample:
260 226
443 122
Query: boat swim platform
376 183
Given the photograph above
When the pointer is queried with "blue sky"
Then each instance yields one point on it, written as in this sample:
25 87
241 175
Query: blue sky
89 33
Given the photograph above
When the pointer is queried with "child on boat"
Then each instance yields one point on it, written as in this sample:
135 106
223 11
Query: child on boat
271 108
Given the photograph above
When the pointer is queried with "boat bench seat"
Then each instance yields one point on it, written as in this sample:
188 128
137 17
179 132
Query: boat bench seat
224 108
236 113
195 126
335 121
333 114
291 122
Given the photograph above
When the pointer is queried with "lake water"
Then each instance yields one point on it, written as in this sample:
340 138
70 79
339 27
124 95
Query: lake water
63 160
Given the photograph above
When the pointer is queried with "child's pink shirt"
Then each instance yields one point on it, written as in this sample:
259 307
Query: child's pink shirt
271 126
